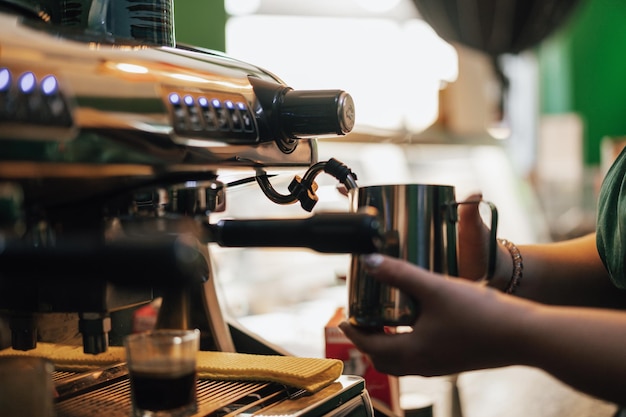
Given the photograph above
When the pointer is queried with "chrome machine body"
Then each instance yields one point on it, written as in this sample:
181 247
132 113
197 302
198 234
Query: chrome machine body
113 149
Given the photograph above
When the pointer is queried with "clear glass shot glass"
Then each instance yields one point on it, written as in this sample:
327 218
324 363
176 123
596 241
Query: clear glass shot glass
26 387
162 370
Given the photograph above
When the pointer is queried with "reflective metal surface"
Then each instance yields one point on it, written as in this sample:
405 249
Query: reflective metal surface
419 225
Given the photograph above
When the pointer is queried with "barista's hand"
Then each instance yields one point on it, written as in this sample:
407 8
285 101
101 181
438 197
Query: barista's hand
473 241
461 325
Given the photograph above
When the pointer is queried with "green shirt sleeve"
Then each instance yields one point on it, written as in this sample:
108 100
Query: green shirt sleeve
611 221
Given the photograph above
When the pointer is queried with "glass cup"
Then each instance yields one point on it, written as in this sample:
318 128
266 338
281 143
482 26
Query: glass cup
26 387
162 369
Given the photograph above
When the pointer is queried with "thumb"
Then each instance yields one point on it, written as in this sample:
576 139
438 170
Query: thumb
473 238
468 213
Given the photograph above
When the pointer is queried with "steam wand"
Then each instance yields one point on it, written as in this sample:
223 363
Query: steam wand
303 188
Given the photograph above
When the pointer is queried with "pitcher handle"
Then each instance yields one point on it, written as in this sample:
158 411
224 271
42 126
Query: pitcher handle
493 241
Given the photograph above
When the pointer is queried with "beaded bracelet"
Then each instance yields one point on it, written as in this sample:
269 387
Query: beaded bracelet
518 265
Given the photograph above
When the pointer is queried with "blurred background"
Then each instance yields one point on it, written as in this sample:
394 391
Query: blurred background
525 108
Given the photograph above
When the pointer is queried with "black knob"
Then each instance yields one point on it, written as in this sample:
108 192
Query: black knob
288 114
316 112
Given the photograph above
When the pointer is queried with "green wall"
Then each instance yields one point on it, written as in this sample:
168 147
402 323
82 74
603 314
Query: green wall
583 70
201 23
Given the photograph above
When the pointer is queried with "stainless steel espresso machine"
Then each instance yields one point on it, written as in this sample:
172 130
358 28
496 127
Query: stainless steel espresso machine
113 139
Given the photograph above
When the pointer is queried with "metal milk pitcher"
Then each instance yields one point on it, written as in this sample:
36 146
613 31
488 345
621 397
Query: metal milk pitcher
419 223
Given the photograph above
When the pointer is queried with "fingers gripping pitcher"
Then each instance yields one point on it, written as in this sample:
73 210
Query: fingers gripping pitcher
419 223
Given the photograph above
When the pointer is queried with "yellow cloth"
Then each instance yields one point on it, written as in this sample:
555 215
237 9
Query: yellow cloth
310 374
71 358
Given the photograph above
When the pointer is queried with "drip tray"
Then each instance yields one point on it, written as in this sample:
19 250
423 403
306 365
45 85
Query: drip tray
106 392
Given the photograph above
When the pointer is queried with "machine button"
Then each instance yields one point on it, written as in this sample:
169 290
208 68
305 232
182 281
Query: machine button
27 82
193 113
180 122
54 110
235 116
28 102
5 80
7 100
246 117
208 114
223 119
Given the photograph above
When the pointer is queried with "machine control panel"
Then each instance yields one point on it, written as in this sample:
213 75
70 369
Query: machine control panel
212 115
32 98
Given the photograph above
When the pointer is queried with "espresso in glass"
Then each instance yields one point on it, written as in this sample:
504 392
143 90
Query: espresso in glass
162 370
158 388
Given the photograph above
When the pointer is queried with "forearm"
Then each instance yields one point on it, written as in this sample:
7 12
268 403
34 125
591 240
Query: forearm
584 348
463 326
566 273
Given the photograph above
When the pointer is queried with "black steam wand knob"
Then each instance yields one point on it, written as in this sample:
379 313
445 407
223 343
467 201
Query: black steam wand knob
288 114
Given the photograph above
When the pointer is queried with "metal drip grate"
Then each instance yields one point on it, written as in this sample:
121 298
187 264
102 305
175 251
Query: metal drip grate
113 400
214 398
106 392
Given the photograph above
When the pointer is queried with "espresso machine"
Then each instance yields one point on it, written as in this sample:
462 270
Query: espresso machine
113 143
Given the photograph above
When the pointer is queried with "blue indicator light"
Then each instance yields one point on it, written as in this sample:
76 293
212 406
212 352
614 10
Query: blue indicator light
216 103
49 85
5 79
27 82
188 100
229 104
203 102
175 99
242 106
